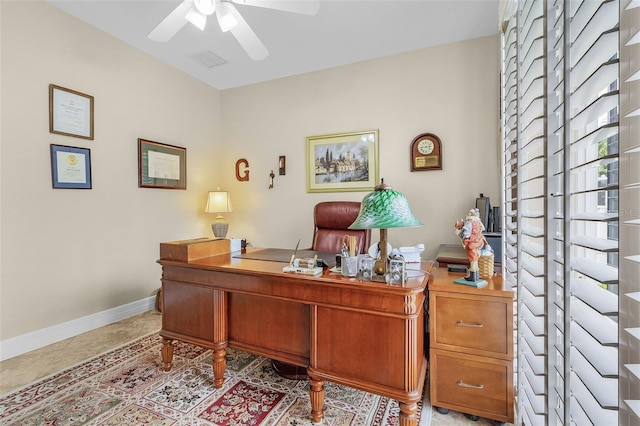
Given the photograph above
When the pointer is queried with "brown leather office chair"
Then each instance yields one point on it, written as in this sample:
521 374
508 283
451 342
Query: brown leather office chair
331 221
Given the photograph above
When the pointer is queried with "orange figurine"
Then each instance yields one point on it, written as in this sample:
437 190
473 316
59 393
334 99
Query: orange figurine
470 231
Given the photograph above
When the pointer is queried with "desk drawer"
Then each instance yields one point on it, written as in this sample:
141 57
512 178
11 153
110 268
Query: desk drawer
472 384
476 325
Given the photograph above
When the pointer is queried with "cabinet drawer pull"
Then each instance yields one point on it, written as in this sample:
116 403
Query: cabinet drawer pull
466 385
468 324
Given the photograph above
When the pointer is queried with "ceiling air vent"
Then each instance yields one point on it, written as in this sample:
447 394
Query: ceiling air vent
208 59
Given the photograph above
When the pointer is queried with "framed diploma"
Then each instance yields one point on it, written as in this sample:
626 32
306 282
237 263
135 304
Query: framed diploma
161 165
70 112
70 167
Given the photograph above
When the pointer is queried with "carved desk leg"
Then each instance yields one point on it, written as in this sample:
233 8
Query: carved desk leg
316 394
408 414
167 353
219 365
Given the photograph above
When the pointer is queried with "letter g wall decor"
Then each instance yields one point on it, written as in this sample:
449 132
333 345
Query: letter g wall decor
245 175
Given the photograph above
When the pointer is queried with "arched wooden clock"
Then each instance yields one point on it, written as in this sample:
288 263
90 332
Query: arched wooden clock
426 153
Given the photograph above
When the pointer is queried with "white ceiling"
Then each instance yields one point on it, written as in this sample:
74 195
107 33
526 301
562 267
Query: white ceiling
342 32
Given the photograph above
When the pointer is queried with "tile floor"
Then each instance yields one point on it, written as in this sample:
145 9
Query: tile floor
21 370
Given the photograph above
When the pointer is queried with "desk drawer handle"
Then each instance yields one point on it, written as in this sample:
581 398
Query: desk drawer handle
465 385
468 324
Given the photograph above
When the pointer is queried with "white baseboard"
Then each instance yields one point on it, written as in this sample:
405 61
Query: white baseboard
19 345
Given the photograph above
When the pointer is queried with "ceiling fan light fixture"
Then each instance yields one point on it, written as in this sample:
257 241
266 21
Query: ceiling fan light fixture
206 7
196 18
226 18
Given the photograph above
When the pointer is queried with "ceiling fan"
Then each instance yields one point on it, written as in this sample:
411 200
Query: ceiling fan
229 19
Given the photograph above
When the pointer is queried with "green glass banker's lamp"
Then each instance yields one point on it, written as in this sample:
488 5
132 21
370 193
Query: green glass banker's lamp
384 208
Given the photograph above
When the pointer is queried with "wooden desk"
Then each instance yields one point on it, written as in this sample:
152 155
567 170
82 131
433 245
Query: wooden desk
361 334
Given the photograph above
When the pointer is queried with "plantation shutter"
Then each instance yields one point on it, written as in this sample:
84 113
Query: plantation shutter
532 179
510 151
509 108
558 187
562 245
593 203
630 212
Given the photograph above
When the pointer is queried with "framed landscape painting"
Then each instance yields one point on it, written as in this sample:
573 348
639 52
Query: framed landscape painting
342 162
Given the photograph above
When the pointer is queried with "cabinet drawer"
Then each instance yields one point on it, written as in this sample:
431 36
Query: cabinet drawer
472 384
478 325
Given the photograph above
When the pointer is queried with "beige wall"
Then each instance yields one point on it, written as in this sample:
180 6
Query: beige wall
66 254
70 253
452 91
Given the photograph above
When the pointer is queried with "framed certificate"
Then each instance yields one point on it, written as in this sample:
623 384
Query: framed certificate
161 165
70 167
70 112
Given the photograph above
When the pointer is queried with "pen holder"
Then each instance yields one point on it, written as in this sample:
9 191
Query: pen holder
349 266
485 266
485 262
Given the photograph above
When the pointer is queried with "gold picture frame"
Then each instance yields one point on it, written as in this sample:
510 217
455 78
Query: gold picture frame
70 112
342 162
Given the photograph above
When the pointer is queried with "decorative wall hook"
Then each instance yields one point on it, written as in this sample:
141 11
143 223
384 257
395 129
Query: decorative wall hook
271 176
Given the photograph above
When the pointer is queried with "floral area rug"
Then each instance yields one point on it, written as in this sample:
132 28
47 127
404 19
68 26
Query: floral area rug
127 386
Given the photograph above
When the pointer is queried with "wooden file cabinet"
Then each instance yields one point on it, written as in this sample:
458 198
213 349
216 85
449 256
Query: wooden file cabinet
471 347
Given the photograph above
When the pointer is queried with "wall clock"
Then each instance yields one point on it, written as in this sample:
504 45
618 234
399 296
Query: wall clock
426 153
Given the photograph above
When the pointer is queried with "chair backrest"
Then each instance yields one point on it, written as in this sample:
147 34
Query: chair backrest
332 220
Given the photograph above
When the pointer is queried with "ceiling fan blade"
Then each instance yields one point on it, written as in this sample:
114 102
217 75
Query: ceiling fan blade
247 38
306 7
172 23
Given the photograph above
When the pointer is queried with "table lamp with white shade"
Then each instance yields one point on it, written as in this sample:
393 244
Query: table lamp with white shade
219 202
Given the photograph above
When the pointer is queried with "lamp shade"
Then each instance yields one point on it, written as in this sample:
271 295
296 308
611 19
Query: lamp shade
385 208
218 202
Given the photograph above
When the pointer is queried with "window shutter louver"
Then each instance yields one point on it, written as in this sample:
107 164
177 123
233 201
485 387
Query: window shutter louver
564 188
593 155
629 212
532 181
